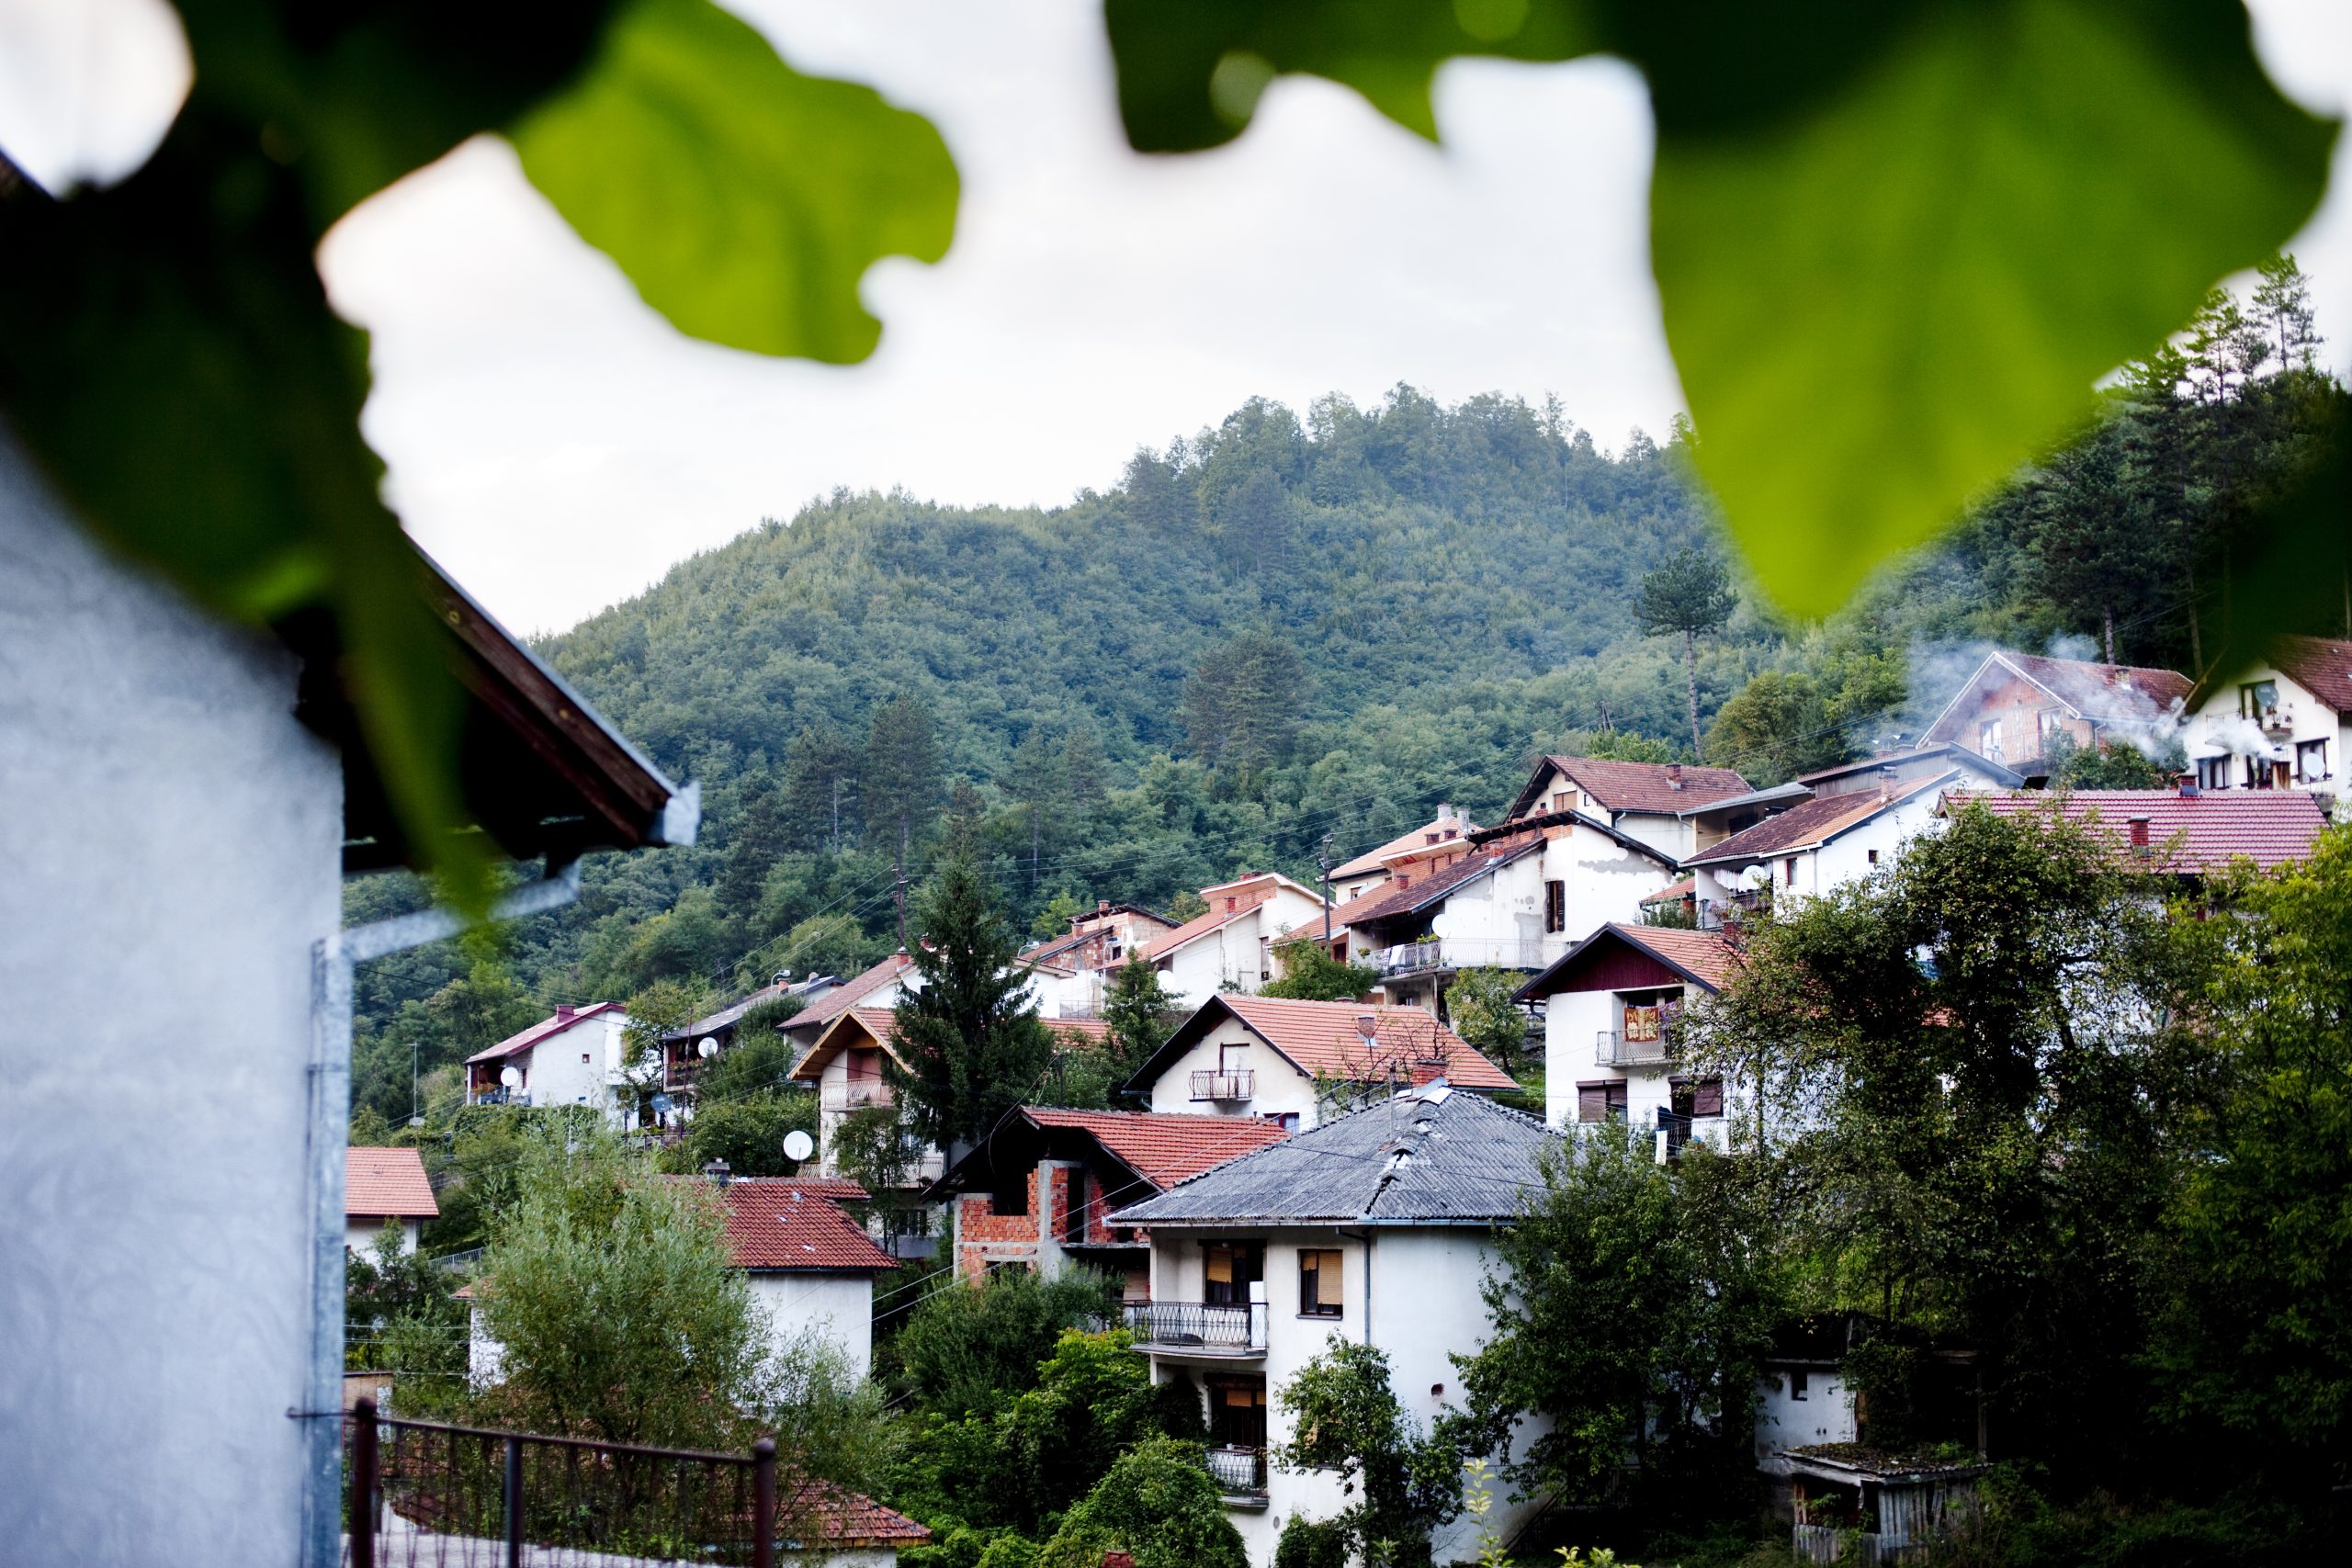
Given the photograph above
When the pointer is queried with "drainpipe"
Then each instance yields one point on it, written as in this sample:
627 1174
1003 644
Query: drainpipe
333 960
1365 1236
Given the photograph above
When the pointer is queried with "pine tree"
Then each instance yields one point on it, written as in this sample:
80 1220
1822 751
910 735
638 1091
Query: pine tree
969 1045
1082 768
1684 595
820 787
760 837
898 783
1036 784
1140 1011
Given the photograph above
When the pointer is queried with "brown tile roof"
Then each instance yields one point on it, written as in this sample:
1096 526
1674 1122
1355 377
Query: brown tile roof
1637 786
1405 843
2109 693
517 1043
844 1519
1813 822
1389 900
2188 834
381 1183
1673 891
1162 1148
849 993
2321 667
783 1223
1322 1038
1083 1031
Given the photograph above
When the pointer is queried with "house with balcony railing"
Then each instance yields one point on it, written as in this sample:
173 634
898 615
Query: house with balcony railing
1292 1062
1610 1047
1377 1226
574 1057
2282 723
1476 907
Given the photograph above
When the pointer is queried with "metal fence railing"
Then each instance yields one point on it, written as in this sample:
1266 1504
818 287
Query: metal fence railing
421 1492
1238 1470
1210 1084
1202 1328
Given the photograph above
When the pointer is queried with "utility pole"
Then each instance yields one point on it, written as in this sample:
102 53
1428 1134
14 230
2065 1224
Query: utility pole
415 1110
899 884
1323 861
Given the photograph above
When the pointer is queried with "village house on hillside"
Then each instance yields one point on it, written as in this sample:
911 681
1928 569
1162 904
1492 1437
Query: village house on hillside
1928 760
1295 1063
2013 704
577 1055
1609 1053
1377 1227
685 1049
2282 723
2185 833
1417 931
1071 974
1038 1193
1814 846
384 1187
1356 877
1231 946
880 986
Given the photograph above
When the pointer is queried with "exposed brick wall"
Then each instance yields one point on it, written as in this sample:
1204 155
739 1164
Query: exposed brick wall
984 1236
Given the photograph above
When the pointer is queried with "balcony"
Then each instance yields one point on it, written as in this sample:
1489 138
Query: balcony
1612 1049
1456 953
1239 1473
857 1094
1227 1087
1198 1328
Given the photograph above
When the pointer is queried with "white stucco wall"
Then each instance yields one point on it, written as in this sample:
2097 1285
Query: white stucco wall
1424 1305
839 1307
1573 1022
557 1074
1605 882
168 856
2217 729
1232 957
1826 1413
1280 1087
359 1234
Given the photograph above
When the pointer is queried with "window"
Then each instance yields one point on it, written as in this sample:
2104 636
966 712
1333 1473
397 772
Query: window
1556 907
2258 697
1873 857
1988 740
1561 799
1603 1100
1697 1097
1229 1269
1318 1283
583 1058
1232 1058
2213 773
2310 766
2049 722
1797 1389
1643 1022
1238 1412
1789 870
1287 1120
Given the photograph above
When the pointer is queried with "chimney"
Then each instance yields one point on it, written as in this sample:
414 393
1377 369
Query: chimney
1102 906
1229 902
1674 775
2188 786
565 1013
2140 835
719 1172
1886 784
1368 1026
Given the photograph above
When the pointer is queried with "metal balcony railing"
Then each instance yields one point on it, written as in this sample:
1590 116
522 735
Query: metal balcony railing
1200 1328
1210 1084
1458 953
1612 1049
855 1095
1239 1472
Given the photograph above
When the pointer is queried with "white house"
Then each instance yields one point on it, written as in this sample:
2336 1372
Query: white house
1293 1063
1929 759
1377 1227
1231 946
381 1186
1608 1045
1354 878
880 985
182 806
1816 845
1483 908
576 1055
2282 723
1657 803
1070 974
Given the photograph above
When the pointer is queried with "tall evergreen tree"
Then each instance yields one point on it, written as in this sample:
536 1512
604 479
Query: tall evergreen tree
1683 595
1140 1011
1082 768
898 783
760 837
820 786
1241 707
969 1042
1036 784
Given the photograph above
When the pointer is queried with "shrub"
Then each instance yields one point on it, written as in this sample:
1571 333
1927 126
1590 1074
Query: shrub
1157 1503
977 1348
1311 1543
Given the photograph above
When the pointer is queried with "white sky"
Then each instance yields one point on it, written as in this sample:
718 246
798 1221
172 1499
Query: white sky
557 445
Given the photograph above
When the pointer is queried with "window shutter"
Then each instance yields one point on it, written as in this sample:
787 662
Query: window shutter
1707 1098
1592 1103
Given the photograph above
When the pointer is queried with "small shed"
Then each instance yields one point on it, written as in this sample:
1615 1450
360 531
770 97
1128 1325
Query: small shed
1894 1506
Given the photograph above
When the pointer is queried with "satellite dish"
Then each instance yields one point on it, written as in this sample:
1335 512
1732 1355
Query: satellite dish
709 1046
512 1078
799 1145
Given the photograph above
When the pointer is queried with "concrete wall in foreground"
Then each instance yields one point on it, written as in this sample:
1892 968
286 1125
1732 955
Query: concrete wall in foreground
168 854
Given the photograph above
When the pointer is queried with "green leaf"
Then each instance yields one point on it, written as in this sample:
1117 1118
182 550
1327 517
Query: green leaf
1884 305
1189 74
745 200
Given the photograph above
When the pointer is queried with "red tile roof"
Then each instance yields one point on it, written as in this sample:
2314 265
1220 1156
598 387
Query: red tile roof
850 992
515 1044
784 1222
1813 822
2109 693
1636 786
1165 1149
1388 900
2319 665
1405 843
1083 1031
1323 1039
2188 834
381 1183
841 1518
1673 892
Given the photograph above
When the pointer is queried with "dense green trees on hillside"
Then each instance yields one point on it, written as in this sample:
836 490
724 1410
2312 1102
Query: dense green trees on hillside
1153 687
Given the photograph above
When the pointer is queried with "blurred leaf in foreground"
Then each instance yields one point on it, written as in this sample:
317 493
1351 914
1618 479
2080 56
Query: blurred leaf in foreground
744 199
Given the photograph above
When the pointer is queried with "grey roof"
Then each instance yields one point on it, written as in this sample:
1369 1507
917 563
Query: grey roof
1431 1156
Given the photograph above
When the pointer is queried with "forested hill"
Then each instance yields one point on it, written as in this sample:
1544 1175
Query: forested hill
1276 632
